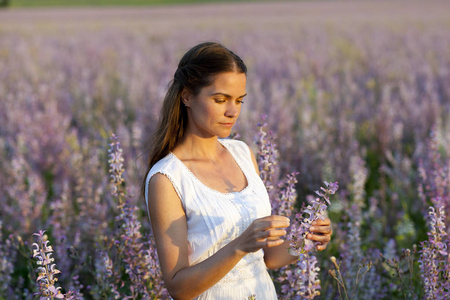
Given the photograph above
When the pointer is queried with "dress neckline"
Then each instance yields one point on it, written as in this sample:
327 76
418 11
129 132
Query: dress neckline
210 188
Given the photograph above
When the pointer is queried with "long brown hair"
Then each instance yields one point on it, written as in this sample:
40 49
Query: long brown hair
196 70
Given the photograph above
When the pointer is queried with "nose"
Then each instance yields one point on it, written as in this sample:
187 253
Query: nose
232 110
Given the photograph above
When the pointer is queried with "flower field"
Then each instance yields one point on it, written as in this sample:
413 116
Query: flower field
354 92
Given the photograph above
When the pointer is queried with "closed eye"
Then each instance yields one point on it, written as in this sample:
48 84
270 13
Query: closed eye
222 97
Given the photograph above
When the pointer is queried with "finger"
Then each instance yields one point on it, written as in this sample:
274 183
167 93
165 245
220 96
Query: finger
274 238
270 234
274 233
319 238
273 243
266 224
321 247
269 242
275 218
321 229
320 222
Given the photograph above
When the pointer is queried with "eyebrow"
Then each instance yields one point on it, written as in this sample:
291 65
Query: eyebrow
227 96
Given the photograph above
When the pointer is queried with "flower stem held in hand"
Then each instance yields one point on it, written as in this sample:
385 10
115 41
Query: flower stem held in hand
314 212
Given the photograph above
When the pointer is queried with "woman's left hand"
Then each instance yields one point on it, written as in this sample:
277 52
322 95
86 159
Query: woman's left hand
320 232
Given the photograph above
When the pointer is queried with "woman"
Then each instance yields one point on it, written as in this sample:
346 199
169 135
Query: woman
209 209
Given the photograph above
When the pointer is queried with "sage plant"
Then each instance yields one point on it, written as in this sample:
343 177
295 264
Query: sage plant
343 289
106 286
307 284
434 171
116 169
7 255
138 254
301 278
47 270
434 259
315 210
282 193
403 266
300 281
267 157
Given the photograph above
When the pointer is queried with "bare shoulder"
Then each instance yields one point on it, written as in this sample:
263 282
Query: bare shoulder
163 196
160 183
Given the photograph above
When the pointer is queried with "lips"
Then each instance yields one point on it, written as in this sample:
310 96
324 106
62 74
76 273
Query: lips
227 124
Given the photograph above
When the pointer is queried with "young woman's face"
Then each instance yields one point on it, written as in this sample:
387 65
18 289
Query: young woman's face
215 109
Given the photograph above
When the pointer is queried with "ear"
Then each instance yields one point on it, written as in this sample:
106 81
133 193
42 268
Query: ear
185 97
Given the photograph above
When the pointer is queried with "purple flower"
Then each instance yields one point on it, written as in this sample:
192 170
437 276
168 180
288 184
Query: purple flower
138 254
301 281
283 202
7 257
116 166
331 187
47 271
434 258
315 210
267 156
434 174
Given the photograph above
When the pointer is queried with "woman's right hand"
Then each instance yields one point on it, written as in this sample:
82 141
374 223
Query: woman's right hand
262 233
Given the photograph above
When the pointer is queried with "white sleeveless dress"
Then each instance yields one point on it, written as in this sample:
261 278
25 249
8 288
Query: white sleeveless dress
214 219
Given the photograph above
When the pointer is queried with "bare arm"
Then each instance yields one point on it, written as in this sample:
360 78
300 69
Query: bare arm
277 257
169 227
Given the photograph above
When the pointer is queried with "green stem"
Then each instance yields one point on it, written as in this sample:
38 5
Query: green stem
343 284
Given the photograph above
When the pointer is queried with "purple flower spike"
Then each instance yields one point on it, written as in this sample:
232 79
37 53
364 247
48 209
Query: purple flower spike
332 187
116 168
314 211
301 282
267 157
434 259
46 279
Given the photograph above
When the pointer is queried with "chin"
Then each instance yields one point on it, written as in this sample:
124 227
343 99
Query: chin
223 135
